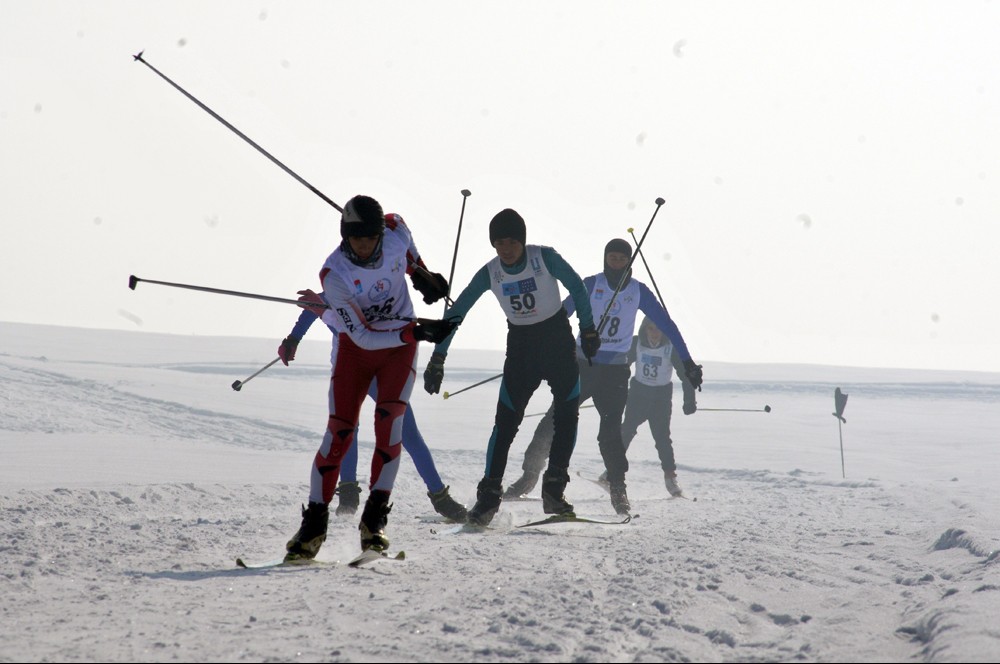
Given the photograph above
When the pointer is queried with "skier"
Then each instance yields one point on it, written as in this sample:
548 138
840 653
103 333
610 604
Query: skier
369 306
605 378
650 395
540 346
349 489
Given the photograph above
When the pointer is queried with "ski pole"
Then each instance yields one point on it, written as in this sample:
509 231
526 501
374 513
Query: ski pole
628 266
238 385
765 409
451 275
589 405
648 271
464 389
134 280
239 133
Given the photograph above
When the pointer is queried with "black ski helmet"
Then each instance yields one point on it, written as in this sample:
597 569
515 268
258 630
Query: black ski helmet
507 223
362 217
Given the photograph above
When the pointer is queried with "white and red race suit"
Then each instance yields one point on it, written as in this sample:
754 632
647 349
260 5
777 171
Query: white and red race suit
366 303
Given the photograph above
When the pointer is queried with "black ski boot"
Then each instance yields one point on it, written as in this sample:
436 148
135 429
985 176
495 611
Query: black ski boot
350 498
553 484
619 497
305 544
447 506
488 497
373 521
521 486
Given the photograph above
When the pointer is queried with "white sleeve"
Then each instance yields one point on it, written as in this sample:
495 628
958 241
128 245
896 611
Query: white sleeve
345 316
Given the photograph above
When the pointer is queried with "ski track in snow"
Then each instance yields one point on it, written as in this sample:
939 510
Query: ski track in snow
87 405
137 576
766 565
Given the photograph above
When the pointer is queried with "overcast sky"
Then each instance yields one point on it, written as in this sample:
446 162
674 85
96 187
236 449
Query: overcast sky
830 169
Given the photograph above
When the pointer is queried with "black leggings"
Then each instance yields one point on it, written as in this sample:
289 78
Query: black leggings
543 351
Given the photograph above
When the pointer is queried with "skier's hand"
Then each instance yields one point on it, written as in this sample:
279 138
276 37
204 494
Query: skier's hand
312 302
590 342
690 407
432 286
693 373
424 329
434 374
286 351
434 331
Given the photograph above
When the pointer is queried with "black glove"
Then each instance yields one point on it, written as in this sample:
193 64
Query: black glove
432 286
690 407
434 331
286 351
590 342
693 373
434 374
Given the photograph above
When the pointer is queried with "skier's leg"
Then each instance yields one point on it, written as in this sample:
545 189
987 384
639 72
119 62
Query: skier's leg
520 380
348 386
564 381
610 396
395 373
659 427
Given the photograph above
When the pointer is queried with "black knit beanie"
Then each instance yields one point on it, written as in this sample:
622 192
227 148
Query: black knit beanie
507 224
614 277
619 245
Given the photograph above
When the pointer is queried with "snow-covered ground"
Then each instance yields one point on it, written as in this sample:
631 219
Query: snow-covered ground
132 476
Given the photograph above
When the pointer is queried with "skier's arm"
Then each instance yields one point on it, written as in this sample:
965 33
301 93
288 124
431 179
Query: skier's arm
632 355
650 306
286 351
690 402
578 291
463 304
302 325
431 285
344 315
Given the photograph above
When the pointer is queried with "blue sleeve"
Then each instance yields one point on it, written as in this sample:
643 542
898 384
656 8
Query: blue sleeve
463 304
305 321
568 277
649 305
302 325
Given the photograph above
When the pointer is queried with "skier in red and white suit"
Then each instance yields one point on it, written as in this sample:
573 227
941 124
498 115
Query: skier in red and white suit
367 302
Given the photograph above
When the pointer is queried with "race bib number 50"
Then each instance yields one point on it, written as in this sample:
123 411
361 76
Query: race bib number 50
521 294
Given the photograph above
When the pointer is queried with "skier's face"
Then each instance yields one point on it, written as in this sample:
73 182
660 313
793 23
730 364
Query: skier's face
363 247
616 260
509 250
653 336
